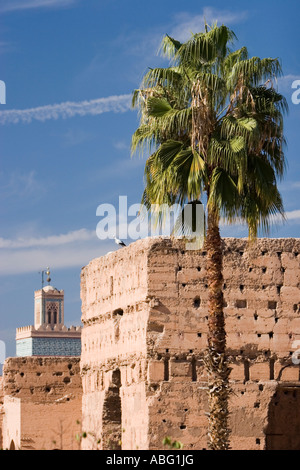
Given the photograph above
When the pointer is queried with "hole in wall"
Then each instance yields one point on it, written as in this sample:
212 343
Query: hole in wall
246 371
194 370
241 303
272 304
272 369
197 302
166 370
118 312
279 289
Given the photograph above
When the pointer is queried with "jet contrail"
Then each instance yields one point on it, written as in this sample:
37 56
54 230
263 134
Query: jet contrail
116 104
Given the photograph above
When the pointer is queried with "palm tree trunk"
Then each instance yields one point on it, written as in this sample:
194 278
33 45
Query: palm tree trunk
217 368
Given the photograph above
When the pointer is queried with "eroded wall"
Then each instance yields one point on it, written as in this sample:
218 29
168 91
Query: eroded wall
42 403
1 411
145 310
115 316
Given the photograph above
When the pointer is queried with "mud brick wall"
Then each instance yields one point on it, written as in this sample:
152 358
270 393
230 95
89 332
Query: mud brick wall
1 412
42 403
145 311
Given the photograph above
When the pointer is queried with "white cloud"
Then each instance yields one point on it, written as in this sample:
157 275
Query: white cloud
77 137
289 186
187 23
14 5
285 83
239 228
121 145
72 249
50 241
19 184
293 215
116 104
23 261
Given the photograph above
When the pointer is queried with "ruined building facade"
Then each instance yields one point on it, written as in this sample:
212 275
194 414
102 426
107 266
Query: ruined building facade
144 311
141 376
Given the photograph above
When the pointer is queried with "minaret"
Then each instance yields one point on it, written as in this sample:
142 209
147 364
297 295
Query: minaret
48 336
48 306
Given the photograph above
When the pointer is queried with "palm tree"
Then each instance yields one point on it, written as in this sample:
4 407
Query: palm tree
212 124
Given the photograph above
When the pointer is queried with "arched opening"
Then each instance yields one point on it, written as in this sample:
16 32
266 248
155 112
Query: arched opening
112 415
12 445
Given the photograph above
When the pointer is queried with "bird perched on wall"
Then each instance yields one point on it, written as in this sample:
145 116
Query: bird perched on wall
119 242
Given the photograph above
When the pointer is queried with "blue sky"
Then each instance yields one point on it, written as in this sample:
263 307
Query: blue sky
70 67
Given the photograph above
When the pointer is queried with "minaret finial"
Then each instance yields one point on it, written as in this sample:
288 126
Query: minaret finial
48 274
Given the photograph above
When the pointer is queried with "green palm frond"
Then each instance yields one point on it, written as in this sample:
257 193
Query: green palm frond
213 121
169 47
254 71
